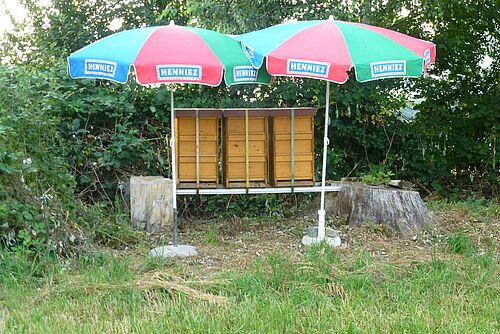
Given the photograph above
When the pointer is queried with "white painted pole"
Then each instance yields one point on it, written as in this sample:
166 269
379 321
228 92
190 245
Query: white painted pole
174 166
321 211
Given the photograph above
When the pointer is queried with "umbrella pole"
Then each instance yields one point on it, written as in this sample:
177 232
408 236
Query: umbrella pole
321 211
174 167
174 250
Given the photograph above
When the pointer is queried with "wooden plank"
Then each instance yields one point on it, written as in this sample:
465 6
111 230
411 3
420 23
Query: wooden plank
192 185
234 150
208 149
253 184
297 183
281 155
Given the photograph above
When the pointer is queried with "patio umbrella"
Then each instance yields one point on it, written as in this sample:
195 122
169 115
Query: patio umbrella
327 50
167 55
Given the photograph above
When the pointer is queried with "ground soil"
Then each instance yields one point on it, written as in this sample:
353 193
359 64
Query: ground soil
235 244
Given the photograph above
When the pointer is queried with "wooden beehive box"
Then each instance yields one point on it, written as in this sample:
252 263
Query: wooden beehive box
282 172
205 173
238 172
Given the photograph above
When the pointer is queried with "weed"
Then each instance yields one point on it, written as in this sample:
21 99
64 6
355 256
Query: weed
320 259
460 243
212 237
363 259
377 175
380 229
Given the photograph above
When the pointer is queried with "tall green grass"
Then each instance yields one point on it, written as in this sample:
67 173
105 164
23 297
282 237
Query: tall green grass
326 292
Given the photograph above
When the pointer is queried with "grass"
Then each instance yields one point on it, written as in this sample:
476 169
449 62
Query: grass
212 236
460 243
325 292
475 208
451 286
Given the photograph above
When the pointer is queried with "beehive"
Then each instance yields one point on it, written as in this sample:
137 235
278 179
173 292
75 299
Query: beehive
197 147
292 139
245 148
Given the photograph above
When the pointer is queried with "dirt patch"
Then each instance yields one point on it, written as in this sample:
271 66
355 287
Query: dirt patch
235 244
240 242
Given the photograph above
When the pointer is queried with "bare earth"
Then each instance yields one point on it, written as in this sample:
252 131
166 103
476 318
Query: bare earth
236 244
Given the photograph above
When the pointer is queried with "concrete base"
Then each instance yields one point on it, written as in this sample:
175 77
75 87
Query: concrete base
332 237
174 251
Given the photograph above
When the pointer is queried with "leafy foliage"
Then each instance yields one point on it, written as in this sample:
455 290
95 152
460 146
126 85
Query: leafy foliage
378 175
38 176
36 183
66 141
451 144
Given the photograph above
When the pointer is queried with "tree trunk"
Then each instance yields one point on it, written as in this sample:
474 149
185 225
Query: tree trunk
150 202
402 210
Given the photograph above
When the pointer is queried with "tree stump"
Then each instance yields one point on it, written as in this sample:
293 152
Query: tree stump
150 202
402 210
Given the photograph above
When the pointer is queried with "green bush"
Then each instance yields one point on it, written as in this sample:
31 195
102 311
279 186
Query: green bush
35 180
40 211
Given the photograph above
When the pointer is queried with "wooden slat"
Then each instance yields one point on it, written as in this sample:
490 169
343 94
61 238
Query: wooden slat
192 185
303 150
235 150
208 149
237 184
